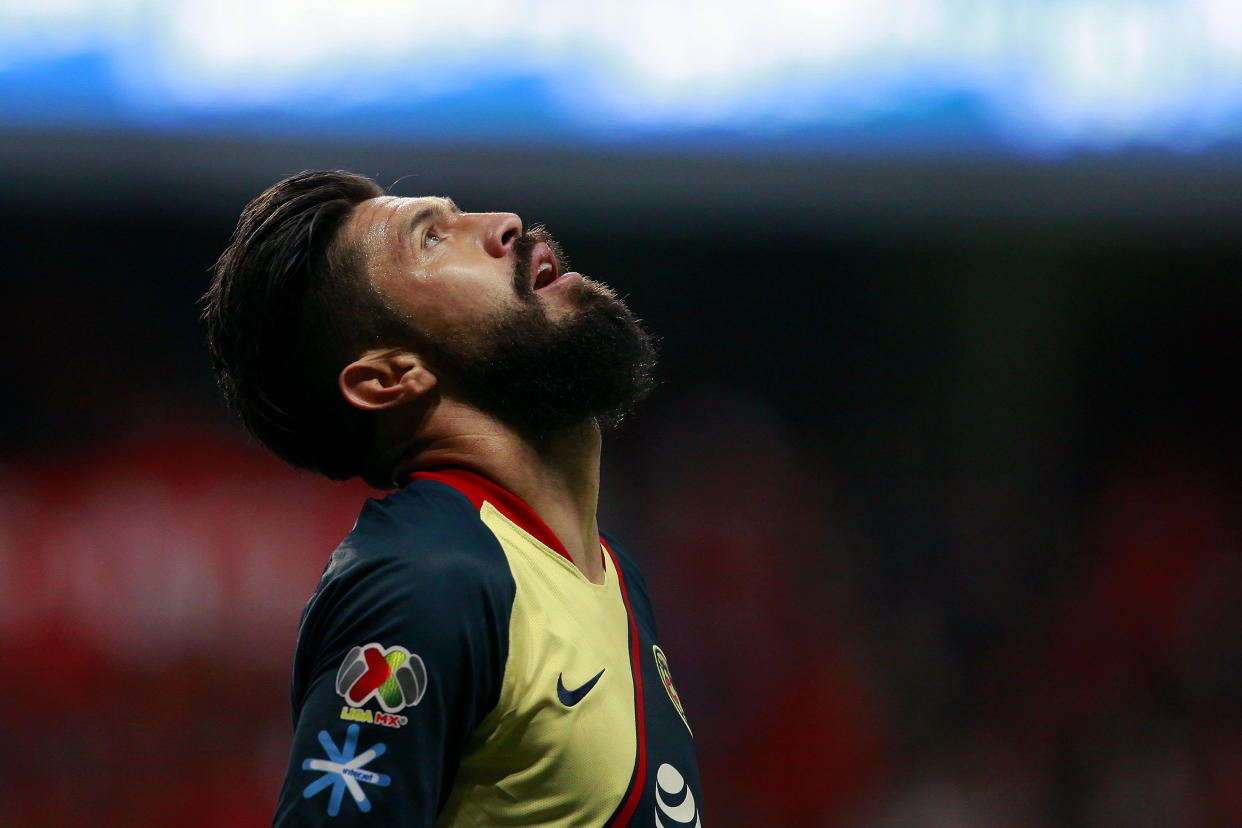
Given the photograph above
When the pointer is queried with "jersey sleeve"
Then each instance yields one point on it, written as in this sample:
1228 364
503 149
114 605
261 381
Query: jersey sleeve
401 654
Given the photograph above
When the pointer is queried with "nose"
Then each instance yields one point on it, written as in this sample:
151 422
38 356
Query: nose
503 230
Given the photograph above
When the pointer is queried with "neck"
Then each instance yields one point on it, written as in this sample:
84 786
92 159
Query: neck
558 477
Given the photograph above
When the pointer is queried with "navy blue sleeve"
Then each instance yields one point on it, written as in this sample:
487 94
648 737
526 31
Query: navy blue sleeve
401 653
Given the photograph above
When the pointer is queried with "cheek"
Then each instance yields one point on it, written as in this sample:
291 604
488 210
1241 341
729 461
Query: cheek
469 281
466 304
446 289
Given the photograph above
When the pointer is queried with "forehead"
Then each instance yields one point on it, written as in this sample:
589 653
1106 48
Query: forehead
377 224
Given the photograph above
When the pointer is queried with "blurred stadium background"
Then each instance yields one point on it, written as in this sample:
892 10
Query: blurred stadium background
939 496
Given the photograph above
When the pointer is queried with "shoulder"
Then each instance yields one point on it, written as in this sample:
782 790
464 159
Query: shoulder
419 557
427 532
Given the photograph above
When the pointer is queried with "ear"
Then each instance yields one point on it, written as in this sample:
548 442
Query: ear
385 377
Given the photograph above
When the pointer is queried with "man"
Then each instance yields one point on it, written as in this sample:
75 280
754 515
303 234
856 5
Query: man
476 653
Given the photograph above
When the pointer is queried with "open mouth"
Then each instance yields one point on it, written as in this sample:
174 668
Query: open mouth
544 268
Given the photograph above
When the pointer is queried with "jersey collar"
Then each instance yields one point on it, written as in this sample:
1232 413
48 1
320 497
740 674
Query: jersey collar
479 489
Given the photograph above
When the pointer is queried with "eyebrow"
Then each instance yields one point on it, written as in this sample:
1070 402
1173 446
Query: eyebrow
442 206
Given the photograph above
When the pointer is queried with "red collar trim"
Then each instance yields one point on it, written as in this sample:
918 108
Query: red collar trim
478 490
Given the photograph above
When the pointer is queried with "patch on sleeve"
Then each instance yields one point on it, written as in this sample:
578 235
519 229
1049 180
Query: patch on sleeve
393 676
343 769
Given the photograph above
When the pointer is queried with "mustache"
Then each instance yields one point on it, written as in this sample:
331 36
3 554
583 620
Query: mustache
523 248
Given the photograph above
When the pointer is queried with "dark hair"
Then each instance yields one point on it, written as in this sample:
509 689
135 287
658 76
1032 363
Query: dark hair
288 308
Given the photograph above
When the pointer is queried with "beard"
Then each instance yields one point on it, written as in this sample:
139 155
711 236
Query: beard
541 376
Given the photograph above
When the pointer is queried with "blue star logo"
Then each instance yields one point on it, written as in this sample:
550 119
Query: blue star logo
343 770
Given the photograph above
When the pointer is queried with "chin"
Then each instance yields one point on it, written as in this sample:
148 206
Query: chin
584 293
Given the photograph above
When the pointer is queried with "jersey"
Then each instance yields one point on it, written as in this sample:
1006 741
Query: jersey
454 667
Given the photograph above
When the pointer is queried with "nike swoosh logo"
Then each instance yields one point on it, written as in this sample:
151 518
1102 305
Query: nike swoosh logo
571 697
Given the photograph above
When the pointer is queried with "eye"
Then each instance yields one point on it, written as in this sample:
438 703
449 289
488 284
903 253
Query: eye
431 237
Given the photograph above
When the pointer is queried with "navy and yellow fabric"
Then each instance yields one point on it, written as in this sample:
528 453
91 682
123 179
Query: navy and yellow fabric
455 668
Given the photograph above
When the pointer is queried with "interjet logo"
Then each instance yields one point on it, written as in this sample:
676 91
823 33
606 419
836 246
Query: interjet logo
343 771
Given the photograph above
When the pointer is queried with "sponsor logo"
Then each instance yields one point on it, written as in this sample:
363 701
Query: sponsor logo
666 678
571 697
674 799
344 770
393 676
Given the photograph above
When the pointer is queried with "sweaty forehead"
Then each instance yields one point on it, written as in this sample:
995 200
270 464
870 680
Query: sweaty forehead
379 225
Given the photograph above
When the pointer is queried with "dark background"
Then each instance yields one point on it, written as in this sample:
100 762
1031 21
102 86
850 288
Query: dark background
938 497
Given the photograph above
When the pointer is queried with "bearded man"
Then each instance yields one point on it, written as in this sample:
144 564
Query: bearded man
476 652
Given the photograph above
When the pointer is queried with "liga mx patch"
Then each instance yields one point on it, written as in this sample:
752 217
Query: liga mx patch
666 678
393 676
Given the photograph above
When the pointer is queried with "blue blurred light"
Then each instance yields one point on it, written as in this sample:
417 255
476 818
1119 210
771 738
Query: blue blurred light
873 76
